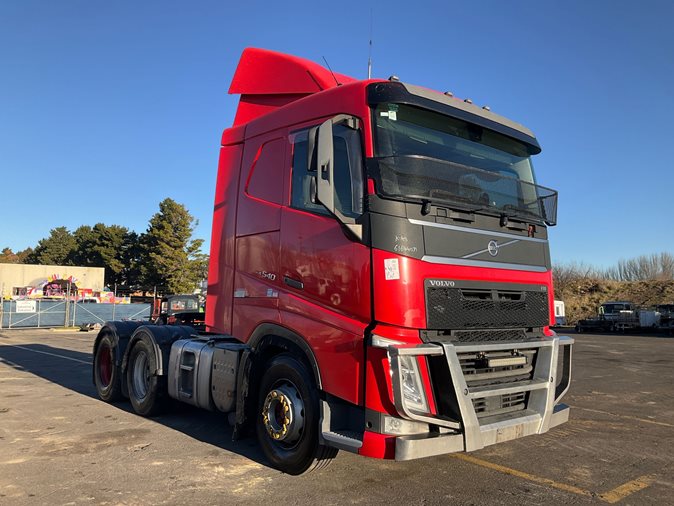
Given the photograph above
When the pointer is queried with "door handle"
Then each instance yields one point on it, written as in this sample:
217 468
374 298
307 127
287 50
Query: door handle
294 283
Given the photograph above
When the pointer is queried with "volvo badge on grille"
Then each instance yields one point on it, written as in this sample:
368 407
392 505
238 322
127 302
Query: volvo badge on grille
492 248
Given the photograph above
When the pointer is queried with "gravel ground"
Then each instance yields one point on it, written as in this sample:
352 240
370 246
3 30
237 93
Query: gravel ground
60 445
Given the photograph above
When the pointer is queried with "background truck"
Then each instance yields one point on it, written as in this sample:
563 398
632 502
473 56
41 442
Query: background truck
621 316
666 312
178 309
379 279
560 313
611 316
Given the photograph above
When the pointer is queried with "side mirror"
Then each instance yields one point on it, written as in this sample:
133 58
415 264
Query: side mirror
326 166
321 155
312 140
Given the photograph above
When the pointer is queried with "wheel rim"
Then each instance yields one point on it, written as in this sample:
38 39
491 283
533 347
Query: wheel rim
283 414
105 365
141 376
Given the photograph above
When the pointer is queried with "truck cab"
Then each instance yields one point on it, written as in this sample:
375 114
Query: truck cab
617 310
401 235
172 308
379 278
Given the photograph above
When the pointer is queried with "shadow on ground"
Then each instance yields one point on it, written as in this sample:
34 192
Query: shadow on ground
72 370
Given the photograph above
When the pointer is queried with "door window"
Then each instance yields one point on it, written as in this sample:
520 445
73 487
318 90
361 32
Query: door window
348 173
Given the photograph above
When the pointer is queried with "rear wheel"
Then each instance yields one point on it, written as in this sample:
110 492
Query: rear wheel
147 391
288 416
107 375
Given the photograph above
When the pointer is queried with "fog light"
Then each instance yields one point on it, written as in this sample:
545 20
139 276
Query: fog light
507 361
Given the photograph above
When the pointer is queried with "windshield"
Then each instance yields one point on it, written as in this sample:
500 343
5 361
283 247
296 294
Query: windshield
424 155
615 308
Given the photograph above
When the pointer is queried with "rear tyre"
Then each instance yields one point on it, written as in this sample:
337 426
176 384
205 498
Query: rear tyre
288 416
147 391
107 375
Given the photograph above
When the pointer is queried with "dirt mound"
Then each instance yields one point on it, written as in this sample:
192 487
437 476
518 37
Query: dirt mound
582 296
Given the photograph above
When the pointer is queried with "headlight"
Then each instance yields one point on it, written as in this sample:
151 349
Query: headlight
412 386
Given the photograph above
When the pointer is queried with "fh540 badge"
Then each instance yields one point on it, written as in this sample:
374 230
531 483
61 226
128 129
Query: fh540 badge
268 275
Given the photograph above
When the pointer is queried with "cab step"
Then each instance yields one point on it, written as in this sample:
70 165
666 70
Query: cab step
344 440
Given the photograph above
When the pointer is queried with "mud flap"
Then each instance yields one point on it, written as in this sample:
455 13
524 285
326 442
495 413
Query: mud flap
243 384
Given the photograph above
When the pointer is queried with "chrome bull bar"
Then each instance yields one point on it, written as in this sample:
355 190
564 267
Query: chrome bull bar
542 411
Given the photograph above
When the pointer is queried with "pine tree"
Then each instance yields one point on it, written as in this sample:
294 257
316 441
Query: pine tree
102 246
7 256
172 260
57 249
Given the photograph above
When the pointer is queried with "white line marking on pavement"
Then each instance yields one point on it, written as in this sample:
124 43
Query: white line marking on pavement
47 353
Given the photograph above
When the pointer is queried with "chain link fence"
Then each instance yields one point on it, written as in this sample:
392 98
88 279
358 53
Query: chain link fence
65 313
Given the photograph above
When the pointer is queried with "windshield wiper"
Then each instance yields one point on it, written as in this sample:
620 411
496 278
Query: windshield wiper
512 211
456 204
426 202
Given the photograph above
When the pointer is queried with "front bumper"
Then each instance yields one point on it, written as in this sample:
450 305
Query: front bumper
549 382
418 446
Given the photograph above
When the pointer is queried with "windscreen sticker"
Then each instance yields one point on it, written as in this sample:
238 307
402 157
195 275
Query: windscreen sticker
391 268
393 112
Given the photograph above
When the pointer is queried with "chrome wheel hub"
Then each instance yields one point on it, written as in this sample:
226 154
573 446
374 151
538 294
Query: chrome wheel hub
283 414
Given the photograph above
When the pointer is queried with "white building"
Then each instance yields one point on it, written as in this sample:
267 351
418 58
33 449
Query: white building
24 280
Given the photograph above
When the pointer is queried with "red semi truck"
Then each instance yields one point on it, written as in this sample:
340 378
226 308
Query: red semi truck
380 277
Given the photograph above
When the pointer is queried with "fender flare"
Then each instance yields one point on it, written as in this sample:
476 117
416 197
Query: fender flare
267 334
120 332
271 330
160 337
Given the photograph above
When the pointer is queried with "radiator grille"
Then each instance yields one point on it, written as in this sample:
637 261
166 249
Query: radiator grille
499 404
460 308
487 336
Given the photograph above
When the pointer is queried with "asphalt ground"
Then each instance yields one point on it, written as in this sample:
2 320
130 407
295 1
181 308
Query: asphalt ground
60 445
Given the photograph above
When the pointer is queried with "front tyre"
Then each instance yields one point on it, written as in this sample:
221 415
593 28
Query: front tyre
288 416
147 391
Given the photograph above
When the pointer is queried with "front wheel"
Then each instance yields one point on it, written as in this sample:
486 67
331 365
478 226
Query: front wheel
288 417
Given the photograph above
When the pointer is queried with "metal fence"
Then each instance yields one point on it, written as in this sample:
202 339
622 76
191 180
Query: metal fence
64 313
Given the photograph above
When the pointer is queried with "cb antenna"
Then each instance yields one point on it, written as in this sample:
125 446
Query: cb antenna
369 54
333 74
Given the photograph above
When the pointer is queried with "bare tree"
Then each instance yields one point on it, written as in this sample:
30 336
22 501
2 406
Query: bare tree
566 274
654 267
647 268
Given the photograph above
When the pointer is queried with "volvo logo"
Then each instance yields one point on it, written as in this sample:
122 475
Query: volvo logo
441 282
492 248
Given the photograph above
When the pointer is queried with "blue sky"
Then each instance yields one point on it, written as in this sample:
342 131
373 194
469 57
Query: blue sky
106 108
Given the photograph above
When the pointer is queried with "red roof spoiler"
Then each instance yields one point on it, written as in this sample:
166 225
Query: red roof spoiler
268 80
